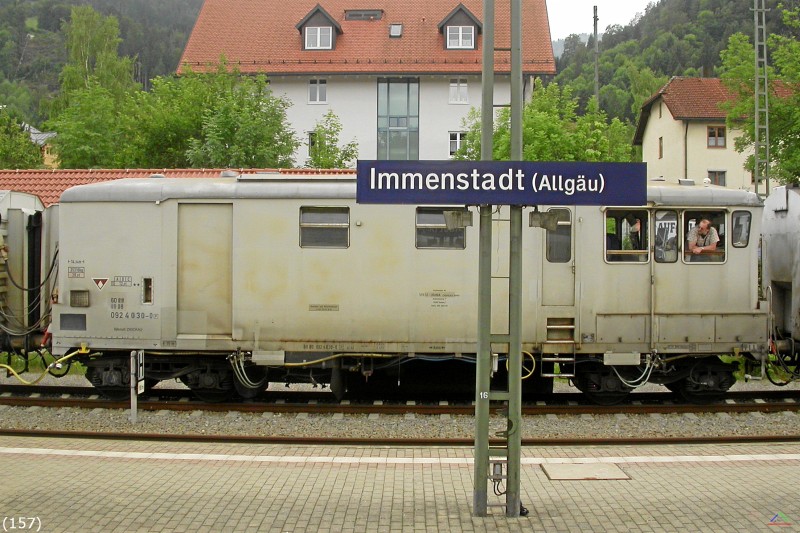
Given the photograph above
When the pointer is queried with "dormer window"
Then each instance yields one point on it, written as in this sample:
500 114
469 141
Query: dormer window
318 30
461 37
319 37
460 29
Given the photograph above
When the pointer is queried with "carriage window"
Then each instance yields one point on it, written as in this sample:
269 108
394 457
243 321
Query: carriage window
741 229
324 227
666 236
559 242
432 230
626 236
704 236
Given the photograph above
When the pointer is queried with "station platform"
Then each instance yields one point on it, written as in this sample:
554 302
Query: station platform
61 485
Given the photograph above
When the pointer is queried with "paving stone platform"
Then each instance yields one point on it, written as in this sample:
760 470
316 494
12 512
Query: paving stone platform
140 486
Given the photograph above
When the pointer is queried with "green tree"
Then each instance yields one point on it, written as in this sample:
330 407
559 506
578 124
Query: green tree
16 148
91 132
246 127
324 150
553 131
738 65
92 43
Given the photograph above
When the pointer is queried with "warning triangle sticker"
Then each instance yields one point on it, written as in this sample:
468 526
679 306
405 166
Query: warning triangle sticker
100 282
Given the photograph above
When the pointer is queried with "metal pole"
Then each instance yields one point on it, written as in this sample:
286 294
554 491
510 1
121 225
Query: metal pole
596 61
515 279
514 365
484 363
134 387
483 370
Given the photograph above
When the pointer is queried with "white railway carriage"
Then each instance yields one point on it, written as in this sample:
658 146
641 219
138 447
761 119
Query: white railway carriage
233 282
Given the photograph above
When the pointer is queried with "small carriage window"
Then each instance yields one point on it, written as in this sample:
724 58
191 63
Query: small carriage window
559 242
741 229
704 236
324 227
666 236
432 230
626 236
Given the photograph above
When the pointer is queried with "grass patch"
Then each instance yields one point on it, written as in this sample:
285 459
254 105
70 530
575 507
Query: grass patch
38 363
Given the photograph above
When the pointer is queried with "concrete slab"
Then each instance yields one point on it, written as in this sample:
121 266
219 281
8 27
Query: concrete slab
583 471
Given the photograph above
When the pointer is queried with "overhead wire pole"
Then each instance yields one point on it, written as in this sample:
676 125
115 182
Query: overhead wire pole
511 453
761 97
484 363
514 436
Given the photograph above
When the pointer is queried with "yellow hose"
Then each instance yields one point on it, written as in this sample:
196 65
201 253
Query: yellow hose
46 370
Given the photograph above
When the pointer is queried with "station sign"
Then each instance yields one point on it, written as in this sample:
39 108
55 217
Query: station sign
501 183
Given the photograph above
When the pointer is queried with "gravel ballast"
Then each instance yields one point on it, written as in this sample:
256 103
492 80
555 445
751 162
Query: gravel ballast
786 423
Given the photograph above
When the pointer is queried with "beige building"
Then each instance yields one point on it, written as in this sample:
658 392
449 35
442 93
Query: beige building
683 135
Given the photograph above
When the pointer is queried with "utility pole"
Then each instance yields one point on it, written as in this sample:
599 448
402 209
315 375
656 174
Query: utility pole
510 453
596 61
761 96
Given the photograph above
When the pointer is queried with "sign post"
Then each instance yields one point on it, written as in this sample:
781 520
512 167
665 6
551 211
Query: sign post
137 381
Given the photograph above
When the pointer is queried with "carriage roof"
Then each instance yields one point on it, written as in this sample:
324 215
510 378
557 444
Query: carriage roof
338 186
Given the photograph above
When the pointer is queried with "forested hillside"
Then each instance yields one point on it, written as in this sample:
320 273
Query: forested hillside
672 38
32 51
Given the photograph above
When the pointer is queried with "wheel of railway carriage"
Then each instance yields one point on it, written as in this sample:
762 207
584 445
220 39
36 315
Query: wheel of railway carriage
117 382
600 384
691 393
211 383
707 382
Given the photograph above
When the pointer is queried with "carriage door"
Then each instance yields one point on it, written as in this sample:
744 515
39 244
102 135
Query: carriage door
204 269
558 266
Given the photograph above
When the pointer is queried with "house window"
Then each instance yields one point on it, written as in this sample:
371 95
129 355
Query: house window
317 92
461 37
324 227
661 147
716 136
458 91
319 38
457 139
432 230
717 177
398 119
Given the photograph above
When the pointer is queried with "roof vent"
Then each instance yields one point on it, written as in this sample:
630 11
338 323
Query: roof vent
658 178
688 182
228 174
157 176
363 14
395 30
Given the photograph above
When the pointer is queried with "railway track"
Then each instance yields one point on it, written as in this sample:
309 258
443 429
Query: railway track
323 403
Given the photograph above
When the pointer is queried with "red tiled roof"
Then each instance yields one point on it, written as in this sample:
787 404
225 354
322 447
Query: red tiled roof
260 36
695 98
49 184
687 99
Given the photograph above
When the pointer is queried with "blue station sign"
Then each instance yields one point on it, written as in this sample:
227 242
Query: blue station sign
501 183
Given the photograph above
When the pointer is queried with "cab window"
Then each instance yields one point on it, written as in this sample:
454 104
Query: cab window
740 222
704 236
559 241
666 236
627 236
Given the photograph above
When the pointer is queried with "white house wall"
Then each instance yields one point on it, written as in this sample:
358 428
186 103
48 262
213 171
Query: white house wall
671 131
353 99
701 158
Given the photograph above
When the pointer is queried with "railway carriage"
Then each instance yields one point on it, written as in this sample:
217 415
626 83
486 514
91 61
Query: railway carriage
228 284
